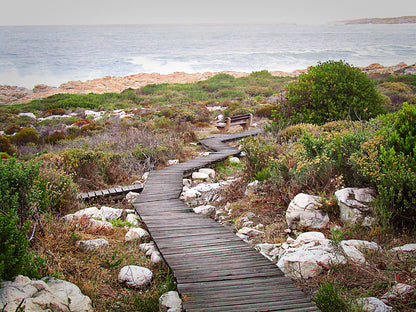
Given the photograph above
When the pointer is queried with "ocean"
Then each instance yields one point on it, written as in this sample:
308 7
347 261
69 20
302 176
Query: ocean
52 55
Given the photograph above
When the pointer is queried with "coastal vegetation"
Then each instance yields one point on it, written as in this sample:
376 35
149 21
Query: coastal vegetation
333 126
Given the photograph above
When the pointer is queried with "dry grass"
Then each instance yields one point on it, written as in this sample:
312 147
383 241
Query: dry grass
95 272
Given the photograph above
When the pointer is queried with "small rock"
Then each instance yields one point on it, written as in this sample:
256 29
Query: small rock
30 115
145 176
304 212
250 232
135 276
98 224
172 162
372 304
156 257
404 248
251 188
92 244
170 300
200 176
207 210
398 291
136 234
131 196
109 213
190 196
133 219
187 182
234 160
210 172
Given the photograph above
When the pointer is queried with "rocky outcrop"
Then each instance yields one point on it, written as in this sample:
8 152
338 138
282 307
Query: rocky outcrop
14 95
42 295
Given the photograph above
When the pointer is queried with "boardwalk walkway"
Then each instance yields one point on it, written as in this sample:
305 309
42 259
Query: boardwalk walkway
214 269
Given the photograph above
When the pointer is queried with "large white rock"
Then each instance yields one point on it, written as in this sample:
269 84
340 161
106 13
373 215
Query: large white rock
304 212
354 203
373 304
92 244
136 234
170 300
109 213
91 212
206 187
202 176
210 172
191 197
38 296
207 210
135 276
307 256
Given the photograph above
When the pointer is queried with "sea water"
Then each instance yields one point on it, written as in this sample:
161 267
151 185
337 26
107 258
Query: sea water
51 55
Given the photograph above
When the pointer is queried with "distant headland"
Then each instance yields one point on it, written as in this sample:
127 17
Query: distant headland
387 20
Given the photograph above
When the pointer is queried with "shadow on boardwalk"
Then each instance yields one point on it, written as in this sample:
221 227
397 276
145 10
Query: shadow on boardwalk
214 269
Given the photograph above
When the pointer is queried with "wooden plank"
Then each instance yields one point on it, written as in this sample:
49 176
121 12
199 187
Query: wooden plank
105 192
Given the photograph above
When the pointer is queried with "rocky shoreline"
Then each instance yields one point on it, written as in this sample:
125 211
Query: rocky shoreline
15 95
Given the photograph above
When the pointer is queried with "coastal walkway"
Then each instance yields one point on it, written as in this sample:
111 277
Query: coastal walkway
214 269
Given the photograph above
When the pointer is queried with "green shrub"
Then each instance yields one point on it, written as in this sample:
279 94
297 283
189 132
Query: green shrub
15 257
6 146
388 162
330 91
25 136
329 298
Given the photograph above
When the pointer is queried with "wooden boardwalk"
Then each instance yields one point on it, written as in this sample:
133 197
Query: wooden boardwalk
214 269
111 191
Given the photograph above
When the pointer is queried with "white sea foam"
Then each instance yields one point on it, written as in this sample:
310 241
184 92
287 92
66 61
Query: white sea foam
148 64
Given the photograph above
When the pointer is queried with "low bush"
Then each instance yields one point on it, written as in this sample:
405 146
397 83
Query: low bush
25 136
330 91
6 146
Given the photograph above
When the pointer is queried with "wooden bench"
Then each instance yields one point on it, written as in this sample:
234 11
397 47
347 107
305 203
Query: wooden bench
243 120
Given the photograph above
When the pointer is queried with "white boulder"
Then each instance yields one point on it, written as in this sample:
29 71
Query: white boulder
133 219
234 160
210 172
131 196
304 212
207 210
398 291
373 304
170 300
99 224
91 212
354 203
56 295
135 276
404 248
92 244
136 234
109 213
201 176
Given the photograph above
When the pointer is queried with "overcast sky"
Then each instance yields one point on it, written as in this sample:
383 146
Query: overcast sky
84 12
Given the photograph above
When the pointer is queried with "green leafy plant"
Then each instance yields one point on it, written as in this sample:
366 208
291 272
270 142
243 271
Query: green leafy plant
330 91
